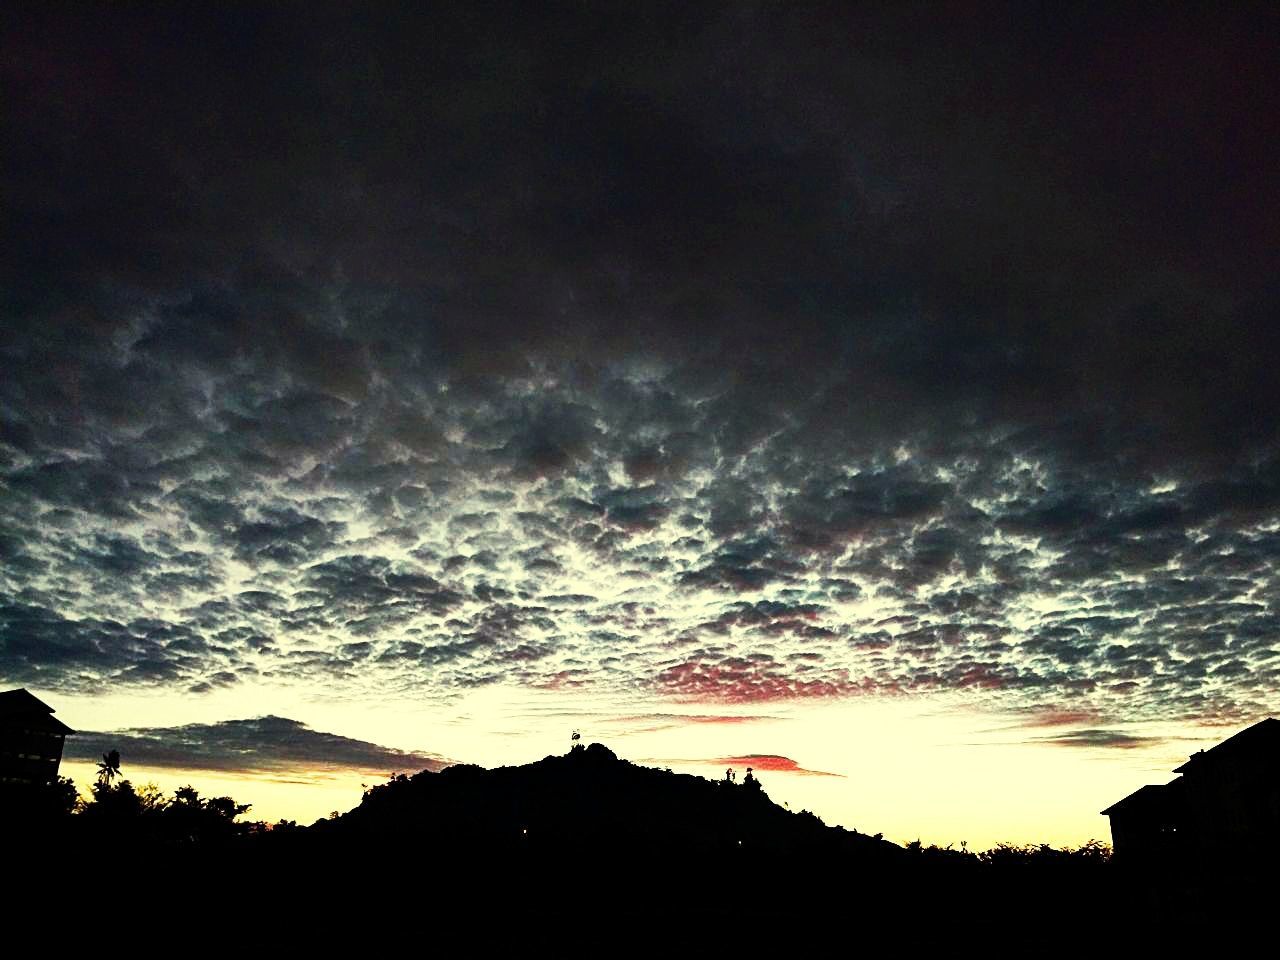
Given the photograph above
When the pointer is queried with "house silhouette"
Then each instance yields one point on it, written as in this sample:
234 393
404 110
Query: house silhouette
31 739
1225 803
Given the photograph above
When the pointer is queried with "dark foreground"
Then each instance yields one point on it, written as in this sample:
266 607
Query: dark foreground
594 838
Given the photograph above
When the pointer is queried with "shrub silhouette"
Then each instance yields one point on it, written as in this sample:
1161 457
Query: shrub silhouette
193 819
146 816
39 803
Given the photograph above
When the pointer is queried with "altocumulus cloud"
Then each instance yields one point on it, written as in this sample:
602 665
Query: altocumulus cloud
261 745
537 359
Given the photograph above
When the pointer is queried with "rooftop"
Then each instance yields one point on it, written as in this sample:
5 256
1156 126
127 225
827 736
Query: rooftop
1261 738
1152 799
33 711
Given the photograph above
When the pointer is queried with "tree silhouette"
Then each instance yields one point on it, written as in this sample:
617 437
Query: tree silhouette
191 818
119 802
109 768
187 796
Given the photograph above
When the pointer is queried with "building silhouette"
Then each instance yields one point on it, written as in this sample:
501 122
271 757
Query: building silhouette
31 739
1225 803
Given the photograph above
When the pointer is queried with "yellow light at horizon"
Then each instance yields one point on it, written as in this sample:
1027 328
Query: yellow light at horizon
936 770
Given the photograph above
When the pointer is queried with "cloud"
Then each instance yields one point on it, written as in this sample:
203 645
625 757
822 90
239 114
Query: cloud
693 376
758 762
772 763
1049 717
261 745
756 678
1099 738
653 722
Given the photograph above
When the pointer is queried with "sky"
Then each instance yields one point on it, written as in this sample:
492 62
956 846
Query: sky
882 398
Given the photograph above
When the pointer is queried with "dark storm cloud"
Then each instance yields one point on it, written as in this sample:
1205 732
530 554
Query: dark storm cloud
735 353
265 744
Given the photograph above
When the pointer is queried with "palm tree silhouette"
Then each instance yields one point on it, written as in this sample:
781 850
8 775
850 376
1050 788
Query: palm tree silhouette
109 768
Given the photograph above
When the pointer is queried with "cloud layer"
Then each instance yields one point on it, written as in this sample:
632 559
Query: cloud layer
262 745
814 358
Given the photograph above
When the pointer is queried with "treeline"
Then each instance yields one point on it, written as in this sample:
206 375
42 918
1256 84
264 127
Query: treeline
144 816
1089 853
148 815
141 813
646 839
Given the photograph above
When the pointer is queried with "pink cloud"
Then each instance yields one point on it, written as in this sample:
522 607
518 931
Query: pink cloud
753 680
772 763
757 762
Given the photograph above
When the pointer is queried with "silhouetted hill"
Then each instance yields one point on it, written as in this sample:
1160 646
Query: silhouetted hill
590 803
614 843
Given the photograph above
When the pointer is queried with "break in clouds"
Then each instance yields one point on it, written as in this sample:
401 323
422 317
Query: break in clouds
800 362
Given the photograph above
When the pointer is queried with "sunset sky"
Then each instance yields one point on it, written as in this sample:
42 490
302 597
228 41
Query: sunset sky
882 398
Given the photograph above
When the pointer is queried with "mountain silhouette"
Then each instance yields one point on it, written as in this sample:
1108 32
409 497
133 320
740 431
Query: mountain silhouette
590 804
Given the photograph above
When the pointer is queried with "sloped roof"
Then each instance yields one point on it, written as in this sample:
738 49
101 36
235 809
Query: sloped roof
33 711
1151 800
1252 745
1263 738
